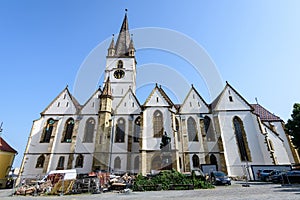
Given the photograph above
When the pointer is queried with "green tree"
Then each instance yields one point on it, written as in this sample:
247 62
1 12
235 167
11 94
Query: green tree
293 126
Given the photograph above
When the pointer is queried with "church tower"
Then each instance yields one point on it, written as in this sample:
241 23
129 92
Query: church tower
121 64
103 138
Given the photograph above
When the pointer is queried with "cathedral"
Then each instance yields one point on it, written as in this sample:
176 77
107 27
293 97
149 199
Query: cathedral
114 132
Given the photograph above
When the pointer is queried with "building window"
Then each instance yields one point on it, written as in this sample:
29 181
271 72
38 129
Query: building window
68 131
158 128
177 129
61 162
180 164
213 159
47 131
117 163
120 64
137 129
120 131
230 99
40 161
89 130
241 138
192 130
136 163
79 161
209 129
196 162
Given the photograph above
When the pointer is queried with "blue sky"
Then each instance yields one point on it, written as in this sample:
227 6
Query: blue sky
255 45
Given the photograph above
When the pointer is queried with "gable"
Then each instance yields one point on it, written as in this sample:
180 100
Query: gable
156 98
64 103
230 99
128 104
92 105
194 103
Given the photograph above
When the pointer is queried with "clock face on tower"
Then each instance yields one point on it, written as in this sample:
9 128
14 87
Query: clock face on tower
118 74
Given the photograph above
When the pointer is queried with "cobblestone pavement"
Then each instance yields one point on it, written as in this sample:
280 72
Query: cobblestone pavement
256 191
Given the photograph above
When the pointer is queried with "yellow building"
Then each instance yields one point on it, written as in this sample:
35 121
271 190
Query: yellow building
7 155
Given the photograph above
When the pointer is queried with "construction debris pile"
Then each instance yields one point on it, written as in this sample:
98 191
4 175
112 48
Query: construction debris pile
95 182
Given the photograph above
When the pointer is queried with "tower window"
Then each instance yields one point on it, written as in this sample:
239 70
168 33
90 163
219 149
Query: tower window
120 64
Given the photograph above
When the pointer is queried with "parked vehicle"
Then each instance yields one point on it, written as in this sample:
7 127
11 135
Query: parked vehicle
277 177
220 178
264 175
288 177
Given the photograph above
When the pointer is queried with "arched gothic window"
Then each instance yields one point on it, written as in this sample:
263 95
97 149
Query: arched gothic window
241 139
120 64
196 162
68 131
209 129
137 129
158 127
117 163
61 162
177 129
120 131
89 130
192 130
136 163
79 161
180 164
213 159
47 131
40 161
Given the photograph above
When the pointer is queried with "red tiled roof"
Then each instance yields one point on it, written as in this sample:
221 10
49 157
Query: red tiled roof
5 147
264 114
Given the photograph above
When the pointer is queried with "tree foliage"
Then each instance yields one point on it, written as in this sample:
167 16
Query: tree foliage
293 126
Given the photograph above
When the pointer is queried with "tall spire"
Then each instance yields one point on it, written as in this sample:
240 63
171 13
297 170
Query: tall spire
107 89
123 41
111 49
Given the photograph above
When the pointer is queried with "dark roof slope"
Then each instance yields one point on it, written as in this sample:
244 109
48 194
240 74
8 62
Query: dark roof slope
264 114
5 147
